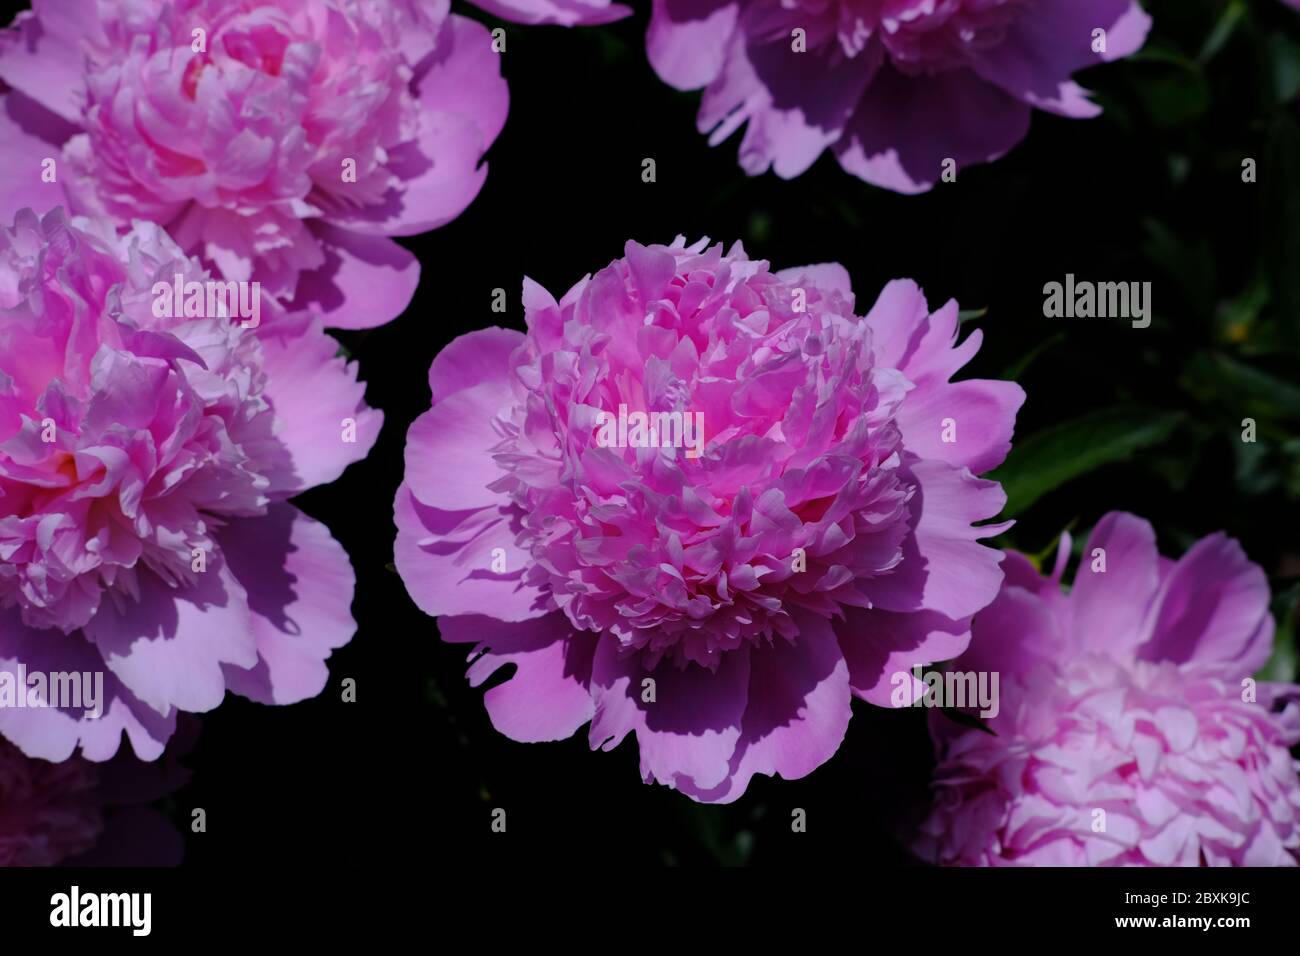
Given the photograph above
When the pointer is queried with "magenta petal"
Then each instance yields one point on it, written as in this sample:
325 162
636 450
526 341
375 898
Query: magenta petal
300 586
448 561
562 12
547 698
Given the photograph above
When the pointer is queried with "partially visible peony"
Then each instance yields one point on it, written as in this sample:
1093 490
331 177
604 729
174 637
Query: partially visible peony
723 606
1130 732
145 463
283 142
563 12
893 87
77 813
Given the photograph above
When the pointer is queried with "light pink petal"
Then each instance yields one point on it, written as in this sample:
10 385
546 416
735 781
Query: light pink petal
448 561
471 359
168 647
879 646
979 414
463 102
799 705
365 282
687 40
1213 607
547 698
688 733
1110 608
944 566
449 461
314 392
29 135
300 586
44 65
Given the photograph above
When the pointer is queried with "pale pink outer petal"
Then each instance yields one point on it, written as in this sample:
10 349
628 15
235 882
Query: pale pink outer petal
314 392
300 586
944 566
447 561
38 57
463 103
1110 606
1213 608
548 696
798 708
688 732
687 40
169 647
365 282
473 358
28 136
449 463
880 645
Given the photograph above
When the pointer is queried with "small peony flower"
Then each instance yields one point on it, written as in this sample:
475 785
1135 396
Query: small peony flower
1130 730
894 87
145 463
721 590
284 142
77 813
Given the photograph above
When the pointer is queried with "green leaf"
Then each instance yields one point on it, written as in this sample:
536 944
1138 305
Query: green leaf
1047 460
1281 665
1223 382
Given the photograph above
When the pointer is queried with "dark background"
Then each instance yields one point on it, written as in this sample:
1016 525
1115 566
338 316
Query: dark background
1147 420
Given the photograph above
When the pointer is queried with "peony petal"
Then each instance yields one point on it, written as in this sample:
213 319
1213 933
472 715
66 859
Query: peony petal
300 586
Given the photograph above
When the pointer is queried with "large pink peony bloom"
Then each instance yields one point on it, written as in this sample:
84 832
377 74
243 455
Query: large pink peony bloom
723 607
894 87
145 464
283 142
1130 694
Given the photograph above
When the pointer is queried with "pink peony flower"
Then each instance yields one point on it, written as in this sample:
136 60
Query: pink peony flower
145 463
82 814
283 142
1130 730
721 598
894 87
